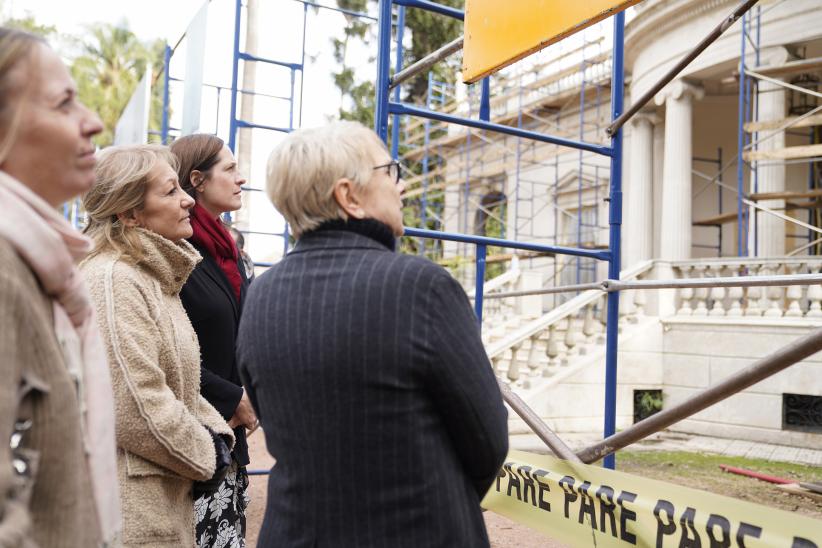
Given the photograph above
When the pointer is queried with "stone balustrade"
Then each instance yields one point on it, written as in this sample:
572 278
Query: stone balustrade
788 302
522 349
549 343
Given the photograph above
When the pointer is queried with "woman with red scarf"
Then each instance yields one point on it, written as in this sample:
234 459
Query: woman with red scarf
213 298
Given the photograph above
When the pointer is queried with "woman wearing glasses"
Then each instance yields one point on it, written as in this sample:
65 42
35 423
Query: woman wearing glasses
365 366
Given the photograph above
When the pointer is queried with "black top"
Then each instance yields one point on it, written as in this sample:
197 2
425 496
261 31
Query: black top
214 312
376 397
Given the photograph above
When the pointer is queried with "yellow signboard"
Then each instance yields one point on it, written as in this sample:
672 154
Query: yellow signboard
499 33
590 506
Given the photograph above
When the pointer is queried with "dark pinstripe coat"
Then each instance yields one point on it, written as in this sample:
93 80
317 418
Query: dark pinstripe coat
376 396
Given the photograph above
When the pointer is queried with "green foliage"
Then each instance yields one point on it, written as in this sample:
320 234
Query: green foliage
108 70
424 32
494 228
28 24
648 403
429 32
357 97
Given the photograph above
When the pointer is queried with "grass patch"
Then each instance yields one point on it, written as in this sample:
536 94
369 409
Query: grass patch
701 471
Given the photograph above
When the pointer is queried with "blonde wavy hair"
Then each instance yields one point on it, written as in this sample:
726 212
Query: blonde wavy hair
122 176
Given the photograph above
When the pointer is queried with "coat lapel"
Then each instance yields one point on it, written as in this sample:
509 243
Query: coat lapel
213 271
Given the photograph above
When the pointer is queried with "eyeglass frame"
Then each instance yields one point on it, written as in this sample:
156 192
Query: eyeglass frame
396 164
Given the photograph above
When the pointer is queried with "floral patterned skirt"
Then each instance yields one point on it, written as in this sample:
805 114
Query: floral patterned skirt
219 516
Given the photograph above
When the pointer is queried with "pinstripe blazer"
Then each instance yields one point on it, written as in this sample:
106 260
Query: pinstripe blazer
376 396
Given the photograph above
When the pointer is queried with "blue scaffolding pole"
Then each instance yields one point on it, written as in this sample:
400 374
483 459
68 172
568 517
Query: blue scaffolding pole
385 107
746 112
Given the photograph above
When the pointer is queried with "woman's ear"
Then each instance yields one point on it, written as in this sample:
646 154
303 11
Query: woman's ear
128 219
197 177
347 196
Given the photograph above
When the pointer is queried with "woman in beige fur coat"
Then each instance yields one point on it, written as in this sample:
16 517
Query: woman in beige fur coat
168 436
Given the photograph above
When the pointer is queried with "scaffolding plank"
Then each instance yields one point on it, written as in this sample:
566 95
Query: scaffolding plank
788 153
794 67
725 218
810 121
496 35
717 220
786 195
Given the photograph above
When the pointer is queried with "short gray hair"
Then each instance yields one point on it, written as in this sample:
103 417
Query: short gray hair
303 168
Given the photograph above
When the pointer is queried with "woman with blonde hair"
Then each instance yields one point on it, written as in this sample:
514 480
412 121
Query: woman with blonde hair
168 436
57 454
365 366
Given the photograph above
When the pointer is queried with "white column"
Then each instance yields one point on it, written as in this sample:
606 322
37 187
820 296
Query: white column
676 179
639 199
771 174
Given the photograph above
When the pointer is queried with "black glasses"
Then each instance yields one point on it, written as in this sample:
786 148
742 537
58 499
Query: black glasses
393 170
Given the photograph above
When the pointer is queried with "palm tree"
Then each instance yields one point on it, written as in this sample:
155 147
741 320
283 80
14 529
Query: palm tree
111 64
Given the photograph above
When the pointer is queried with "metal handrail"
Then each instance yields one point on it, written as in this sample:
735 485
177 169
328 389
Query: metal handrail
609 286
783 358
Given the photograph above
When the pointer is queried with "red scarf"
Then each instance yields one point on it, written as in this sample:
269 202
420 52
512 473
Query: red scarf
212 235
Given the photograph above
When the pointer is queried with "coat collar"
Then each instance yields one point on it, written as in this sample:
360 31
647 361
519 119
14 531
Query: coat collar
335 239
211 269
170 263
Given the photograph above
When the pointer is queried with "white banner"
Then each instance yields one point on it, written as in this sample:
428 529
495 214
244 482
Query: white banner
132 127
195 57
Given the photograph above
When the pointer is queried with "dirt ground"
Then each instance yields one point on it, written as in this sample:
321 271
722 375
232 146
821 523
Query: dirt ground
701 471
688 469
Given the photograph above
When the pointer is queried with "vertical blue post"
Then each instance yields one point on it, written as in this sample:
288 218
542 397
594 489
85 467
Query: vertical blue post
426 142
721 188
615 221
383 70
302 73
166 80
217 115
395 128
485 100
291 101
478 290
519 158
741 233
285 239
580 172
232 135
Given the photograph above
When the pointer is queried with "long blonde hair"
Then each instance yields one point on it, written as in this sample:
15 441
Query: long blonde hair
16 46
122 176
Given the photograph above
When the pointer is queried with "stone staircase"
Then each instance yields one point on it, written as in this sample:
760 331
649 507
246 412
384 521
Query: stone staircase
678 341
530 351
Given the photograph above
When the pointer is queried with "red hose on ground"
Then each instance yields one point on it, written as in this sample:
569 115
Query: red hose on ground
752 474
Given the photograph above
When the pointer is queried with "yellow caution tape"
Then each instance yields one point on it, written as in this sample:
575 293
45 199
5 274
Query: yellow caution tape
587 505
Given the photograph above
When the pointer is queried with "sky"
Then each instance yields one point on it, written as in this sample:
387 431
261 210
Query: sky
280 34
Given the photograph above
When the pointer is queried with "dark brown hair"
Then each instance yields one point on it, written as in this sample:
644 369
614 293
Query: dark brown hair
198 152
16 46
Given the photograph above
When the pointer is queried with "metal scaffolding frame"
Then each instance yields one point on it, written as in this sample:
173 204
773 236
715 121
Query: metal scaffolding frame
386 107
294 99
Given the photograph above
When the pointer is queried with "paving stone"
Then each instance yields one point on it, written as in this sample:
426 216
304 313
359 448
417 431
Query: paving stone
783 453
738 448
761 451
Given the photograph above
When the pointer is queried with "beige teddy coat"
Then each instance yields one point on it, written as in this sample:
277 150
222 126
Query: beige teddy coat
162 445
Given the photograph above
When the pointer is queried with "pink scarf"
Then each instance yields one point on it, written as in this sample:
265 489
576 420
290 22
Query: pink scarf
51 247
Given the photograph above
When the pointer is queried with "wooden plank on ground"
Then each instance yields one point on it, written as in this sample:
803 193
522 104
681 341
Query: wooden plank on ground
788 153
795 489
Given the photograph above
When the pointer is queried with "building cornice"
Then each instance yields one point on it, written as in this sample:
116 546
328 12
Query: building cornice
656 18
